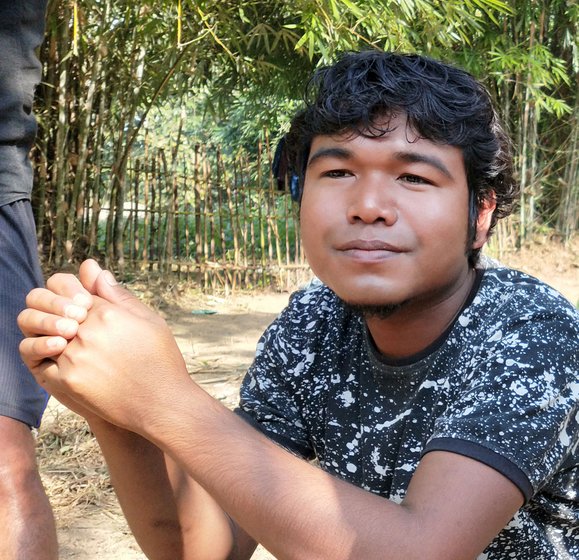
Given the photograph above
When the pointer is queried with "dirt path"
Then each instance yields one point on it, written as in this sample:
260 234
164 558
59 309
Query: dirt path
217 337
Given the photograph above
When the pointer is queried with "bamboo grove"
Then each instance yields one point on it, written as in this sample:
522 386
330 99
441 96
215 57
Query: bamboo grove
157 121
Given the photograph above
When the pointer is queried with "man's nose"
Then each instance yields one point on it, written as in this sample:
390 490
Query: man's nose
372 200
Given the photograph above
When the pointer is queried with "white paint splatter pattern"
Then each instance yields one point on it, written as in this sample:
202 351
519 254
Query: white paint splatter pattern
504 383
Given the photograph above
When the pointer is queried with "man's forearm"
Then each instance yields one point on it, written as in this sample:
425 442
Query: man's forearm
295 510
298 511
138 474
169 514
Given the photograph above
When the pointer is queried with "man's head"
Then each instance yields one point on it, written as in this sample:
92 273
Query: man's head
362 91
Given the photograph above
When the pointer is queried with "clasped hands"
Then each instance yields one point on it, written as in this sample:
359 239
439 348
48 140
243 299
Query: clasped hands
99 350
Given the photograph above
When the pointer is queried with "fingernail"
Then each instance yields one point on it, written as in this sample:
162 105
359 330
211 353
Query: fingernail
75 312
56 342
66 326
82 300
109 278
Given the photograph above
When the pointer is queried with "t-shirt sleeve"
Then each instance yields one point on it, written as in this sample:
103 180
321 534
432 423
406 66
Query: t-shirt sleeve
518 408
268 400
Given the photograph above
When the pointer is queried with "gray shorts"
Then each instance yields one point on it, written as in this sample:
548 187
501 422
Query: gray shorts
20 396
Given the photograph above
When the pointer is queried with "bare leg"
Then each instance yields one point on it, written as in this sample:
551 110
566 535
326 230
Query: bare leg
27 529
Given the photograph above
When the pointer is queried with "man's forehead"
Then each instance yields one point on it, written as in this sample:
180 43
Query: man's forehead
345 143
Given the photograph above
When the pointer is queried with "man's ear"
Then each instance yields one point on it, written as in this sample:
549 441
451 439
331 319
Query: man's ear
483 222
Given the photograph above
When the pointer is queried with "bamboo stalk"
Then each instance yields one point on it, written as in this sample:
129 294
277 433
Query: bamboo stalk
197 205
146 218
153 225
61 202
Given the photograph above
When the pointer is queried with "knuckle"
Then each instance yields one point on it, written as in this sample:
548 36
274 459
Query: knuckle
109 314
28 353
60 280
22 318
45 324
55 279
33 295
23 349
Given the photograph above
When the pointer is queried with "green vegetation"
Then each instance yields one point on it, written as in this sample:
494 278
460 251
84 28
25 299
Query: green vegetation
134 92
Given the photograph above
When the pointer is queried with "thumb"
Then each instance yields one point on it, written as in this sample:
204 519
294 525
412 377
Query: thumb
109 289
88 273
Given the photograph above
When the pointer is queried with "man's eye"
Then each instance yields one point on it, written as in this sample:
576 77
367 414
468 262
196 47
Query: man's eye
335 173
415 179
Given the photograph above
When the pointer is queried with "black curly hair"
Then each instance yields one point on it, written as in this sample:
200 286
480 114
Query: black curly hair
443 104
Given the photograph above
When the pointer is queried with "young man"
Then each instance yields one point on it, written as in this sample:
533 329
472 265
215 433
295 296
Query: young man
26 521
439 398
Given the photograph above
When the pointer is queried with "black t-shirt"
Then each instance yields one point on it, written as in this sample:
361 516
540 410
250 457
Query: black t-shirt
501 387
21 32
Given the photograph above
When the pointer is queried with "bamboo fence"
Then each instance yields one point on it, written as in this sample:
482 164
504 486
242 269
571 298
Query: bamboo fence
215 220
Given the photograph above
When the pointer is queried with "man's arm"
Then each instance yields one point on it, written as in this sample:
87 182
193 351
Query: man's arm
170 515
453 508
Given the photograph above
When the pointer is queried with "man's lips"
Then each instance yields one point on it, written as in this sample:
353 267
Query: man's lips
370 245
369 251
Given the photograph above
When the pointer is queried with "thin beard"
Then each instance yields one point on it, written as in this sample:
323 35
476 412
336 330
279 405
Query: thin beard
374 311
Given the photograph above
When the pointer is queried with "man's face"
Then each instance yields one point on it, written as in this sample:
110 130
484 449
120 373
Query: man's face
384 220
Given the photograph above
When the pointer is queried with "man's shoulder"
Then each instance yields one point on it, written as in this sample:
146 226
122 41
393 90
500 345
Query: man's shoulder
316 312
504 286
315 299
517 311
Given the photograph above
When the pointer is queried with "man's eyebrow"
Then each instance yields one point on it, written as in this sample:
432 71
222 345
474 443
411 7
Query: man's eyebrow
413 157
340 153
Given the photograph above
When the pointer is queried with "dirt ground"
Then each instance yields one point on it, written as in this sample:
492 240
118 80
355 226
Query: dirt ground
217 337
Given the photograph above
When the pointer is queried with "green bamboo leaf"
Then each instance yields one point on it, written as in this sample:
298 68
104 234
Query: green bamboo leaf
353 8
303 39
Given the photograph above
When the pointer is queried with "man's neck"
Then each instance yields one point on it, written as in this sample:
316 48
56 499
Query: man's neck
416 324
